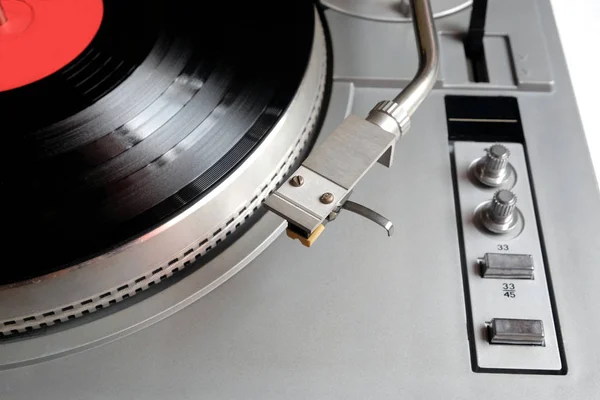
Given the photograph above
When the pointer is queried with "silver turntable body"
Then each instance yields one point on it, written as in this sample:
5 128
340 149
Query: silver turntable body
487 289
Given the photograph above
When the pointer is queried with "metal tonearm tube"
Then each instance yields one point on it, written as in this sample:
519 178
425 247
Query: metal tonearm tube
323 183
399 110
429 58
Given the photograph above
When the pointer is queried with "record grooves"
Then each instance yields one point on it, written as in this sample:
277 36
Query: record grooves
149 118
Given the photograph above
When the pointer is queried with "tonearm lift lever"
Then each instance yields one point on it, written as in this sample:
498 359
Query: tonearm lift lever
319 189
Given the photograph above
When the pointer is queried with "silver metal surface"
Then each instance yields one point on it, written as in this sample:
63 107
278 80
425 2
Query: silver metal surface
356 145
302 206
506 266
370 215
391 117
136 266
528 332
393 10
494 169
417 90
500 214
516 51
503 205
44 347
334 166
356 317
349 152
505 298
506 230
403 106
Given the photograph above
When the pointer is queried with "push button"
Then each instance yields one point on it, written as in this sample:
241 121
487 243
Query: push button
506 266
516 331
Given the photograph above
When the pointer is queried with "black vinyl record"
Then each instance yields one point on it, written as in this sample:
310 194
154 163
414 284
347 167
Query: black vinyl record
164 103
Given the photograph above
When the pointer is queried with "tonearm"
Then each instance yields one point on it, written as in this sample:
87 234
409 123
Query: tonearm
320 188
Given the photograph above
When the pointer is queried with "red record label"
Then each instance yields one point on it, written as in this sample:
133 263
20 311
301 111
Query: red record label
40 37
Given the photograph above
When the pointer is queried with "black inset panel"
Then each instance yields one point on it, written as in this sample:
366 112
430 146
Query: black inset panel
484 119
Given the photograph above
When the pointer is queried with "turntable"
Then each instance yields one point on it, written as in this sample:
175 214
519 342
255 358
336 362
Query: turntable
334 199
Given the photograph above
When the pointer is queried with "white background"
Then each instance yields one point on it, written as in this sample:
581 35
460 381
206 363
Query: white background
579 27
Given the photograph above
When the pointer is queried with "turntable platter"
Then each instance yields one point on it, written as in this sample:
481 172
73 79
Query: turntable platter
152 115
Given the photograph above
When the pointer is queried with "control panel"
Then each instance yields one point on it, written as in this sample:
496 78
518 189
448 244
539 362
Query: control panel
513 327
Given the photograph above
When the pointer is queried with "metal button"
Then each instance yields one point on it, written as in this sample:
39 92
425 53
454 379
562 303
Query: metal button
516 331
507 266
493 169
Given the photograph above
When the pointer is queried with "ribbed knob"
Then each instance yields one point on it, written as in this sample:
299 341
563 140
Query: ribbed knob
391 117
493 169
503 206
496 159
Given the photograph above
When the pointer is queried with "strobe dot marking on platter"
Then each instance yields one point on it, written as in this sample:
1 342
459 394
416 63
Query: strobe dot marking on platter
39 37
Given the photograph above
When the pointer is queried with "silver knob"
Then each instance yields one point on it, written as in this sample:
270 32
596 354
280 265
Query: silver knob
493 169
500 215
503 206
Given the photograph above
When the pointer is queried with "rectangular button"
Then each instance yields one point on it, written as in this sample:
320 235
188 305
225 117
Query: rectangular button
506 266
517 331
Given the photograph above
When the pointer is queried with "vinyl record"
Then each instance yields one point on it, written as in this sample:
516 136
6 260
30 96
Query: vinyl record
162 105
